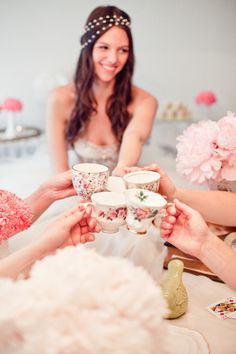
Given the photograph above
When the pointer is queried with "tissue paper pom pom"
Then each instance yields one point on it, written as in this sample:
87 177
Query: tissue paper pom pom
80 302
12 104
206 98
15 215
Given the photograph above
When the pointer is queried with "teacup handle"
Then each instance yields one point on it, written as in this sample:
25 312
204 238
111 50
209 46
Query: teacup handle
89 204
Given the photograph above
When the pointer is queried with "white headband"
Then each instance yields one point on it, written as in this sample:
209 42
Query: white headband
106 22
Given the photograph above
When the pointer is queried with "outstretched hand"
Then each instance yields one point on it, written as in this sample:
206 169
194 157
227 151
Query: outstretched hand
59 186
184 228
71 228
166 187
118 171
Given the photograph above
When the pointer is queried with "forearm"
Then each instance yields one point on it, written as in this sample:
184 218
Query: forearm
130 150
215 206
20 261
220 258
57 145
58 156
39 201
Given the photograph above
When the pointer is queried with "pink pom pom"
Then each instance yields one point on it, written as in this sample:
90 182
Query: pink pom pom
206 98
15 215
12 104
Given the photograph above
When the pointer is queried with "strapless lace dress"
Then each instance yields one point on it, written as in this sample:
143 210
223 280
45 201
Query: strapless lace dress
87 151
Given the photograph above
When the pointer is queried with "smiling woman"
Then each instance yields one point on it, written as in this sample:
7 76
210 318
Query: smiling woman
101 115
110 54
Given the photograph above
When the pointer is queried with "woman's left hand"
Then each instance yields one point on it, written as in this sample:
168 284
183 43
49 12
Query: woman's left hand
73 227
59 186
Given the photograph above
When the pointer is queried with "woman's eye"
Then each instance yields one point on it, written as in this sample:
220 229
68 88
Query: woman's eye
104 47
124 50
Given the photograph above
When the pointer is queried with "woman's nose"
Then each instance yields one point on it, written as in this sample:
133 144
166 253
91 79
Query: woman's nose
112 56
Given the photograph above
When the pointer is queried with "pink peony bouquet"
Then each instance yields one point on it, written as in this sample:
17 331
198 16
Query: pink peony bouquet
206 151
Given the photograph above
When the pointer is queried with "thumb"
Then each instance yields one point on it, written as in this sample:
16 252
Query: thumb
73 217
183 208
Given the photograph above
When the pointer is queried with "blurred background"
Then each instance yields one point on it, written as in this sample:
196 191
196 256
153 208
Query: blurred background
182 47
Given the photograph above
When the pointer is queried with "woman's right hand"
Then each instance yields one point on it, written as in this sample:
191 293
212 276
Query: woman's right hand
71 228
166 187
185 228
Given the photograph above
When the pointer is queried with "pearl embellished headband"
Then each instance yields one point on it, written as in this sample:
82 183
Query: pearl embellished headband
106 22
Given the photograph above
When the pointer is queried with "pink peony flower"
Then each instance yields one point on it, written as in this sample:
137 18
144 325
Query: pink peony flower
227 136
207 150
206 98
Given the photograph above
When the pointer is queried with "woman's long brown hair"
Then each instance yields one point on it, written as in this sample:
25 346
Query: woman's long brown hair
119 100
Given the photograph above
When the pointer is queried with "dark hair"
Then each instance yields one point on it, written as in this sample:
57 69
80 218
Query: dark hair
85 103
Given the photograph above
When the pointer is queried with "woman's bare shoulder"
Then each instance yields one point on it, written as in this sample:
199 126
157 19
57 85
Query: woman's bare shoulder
61 101
140 95
63 95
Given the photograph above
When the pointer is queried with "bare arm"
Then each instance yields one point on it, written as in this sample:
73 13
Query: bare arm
58 113
20 261
137 132
220 258
186 229
217 207
56 188
73 227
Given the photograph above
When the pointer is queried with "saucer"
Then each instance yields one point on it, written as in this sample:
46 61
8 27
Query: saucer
186 341
115 184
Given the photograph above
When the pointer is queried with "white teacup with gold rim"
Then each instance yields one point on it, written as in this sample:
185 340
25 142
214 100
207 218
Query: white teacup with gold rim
142 207
110 210
89 178
143 180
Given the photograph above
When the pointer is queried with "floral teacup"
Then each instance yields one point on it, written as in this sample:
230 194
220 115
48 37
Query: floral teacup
143 180
110 210
142 207
89 178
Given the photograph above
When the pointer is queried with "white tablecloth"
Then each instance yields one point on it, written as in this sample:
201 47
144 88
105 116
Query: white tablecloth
202 291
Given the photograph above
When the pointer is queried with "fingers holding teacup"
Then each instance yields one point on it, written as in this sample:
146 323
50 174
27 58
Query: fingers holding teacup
132 169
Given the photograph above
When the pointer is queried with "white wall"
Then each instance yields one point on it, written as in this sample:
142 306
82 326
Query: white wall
182 47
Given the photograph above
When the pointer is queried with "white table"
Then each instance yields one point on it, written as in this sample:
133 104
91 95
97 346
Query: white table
202 291
219 334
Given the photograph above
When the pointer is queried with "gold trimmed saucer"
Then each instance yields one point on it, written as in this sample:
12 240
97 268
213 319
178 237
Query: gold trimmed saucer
141 233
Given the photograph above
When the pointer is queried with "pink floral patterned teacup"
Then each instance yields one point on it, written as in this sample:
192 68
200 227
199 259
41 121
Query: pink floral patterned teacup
142 207
143 180
110 210
89 178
